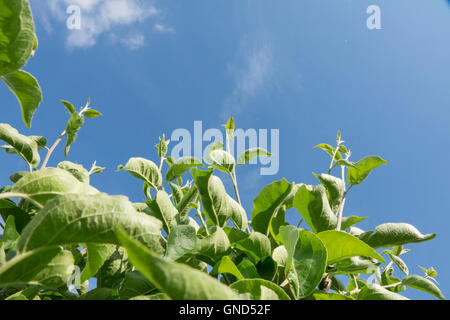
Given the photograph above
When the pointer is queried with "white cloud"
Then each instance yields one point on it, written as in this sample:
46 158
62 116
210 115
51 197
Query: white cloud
99 17
134 41
163 29
251 74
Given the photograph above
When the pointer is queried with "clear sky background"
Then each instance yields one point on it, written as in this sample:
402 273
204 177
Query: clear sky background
307 68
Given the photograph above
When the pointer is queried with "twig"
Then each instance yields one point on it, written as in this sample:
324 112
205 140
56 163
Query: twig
203 221
20 195
234 179
53 147
341 209
392 285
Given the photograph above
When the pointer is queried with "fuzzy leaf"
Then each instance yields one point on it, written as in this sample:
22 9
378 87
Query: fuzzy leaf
394 234
143 169
72 219
341 245
363 168
177 281
26 89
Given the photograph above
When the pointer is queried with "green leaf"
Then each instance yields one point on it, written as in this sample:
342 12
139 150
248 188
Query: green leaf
281 256
387 279
330 296
226 265
221 160
330 150
347 222
101 294
10 234
164 210
307 254
313 205
248 155
257 246
72 219
143 169
267 203
134 285
92 114
229 127
18 175
181 241
24 146
345 163
162 146
399 262
181 166
217 204
26 89
341 245
255 288
212 248
184 205
2 255
9 208
278 220
41 141
216 146
363 168
50 267
235 235
248 269
44 185
376 292
423 284
177 281
113 271
69 106
77 170
431 272
356 265
16 34
73 126
394 234
335 188
97 254
177 193
267 268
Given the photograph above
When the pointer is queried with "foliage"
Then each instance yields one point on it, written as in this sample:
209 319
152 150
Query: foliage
197 241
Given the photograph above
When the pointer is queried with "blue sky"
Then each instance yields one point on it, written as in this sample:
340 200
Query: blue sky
307 68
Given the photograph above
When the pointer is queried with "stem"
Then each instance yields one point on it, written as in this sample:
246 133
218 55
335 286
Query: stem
233 178
50 151
355 280
161 163
341 209
392 285
203 221
2 226
20 195
334 156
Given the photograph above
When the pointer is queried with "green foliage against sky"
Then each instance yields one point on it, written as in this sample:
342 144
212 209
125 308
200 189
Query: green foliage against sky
197 242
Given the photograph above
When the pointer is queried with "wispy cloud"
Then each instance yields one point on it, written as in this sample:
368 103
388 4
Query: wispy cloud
133 41
113 18
164 29
251 73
